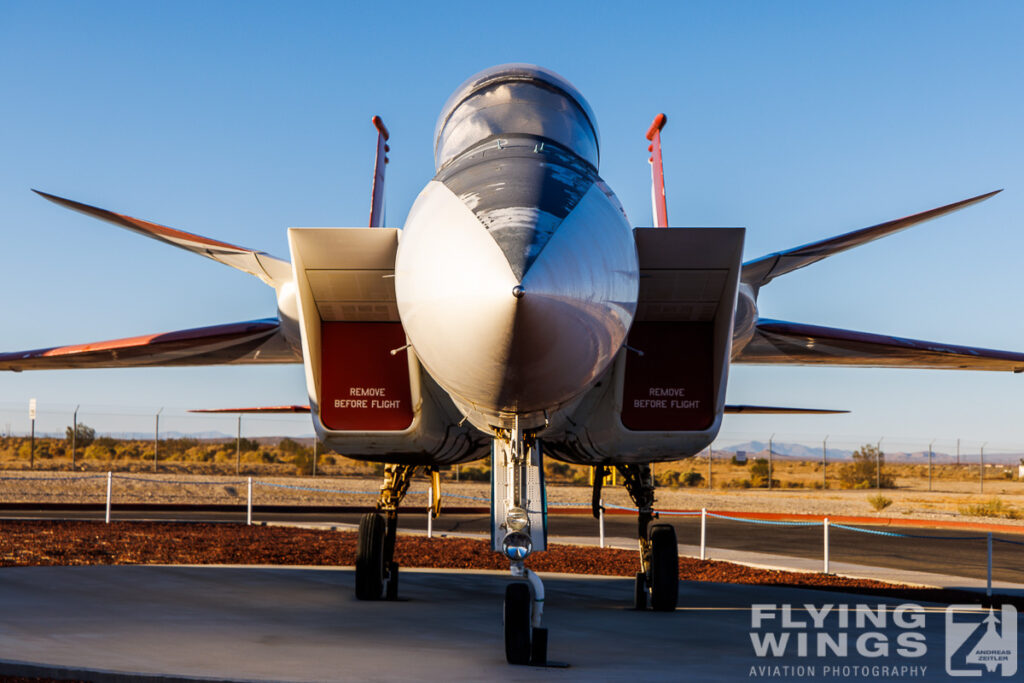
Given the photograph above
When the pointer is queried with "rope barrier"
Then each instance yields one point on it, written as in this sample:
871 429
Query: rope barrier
769 522
898 535
876 532
609 506
1005 540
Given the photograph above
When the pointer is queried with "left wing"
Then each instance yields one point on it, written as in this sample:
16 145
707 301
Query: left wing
254 341
778 342
258 409
760 272
776 410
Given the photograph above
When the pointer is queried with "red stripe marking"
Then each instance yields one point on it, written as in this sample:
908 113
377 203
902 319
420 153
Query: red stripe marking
232 329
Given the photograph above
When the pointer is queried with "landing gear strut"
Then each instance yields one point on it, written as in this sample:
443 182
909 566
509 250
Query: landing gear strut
657 582
376 569
518 528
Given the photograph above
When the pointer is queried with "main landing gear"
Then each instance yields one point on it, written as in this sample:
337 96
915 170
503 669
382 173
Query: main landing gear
657 582
518 528
376 569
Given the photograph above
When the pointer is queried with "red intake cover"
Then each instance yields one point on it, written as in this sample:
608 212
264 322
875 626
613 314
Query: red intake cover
670 388
363 387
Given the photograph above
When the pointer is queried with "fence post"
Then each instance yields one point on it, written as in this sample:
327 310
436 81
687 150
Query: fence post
703 533
930 457
74 436
600 521
248 506
824 463
110 479
710 456
238 447
988 586
826 545
878 465
156 438
981 473
430 513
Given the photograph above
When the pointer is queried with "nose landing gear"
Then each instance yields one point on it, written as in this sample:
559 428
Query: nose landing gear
518 528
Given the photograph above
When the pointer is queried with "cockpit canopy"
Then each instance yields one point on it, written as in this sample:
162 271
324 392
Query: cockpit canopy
515 98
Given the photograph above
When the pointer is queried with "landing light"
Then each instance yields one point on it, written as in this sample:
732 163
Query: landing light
517 519
517 545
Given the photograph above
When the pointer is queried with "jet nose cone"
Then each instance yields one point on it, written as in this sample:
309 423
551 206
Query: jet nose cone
503 342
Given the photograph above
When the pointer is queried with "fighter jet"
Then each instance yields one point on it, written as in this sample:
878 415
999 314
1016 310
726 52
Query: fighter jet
518 315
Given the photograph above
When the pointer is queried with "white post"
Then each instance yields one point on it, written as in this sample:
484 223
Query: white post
109 487
703 533
600 521
826 545
988 586
248 506
430 513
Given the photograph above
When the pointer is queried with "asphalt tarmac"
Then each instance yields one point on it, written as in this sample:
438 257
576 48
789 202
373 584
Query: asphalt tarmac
940 551
301 624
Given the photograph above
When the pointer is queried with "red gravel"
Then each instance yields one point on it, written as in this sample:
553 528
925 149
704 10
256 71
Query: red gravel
40 543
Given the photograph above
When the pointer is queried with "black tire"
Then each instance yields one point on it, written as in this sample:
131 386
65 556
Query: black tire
640 591
370 557
392 588
664 568
517 623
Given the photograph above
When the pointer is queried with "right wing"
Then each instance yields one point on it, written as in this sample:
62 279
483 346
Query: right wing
254 341
270 269
258 409
777 342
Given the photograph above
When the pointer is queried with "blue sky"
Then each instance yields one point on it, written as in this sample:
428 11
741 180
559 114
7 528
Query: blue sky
797 120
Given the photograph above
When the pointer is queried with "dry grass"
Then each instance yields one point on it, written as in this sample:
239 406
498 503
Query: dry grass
879 502
993 507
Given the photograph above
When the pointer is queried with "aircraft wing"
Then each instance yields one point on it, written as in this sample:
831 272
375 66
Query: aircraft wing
269 269
761 271
257 409
776 342
777 410
254 341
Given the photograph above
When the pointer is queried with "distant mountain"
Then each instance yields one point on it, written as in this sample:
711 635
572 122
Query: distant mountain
206 436
791 451
798 451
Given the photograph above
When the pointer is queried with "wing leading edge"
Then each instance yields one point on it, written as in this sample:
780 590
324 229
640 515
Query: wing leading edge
270 269
254 341
777 342
761 271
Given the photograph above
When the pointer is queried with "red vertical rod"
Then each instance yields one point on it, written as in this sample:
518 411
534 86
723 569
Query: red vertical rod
377 193
657 172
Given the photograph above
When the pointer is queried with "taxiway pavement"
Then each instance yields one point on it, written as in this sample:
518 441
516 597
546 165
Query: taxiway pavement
303 624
